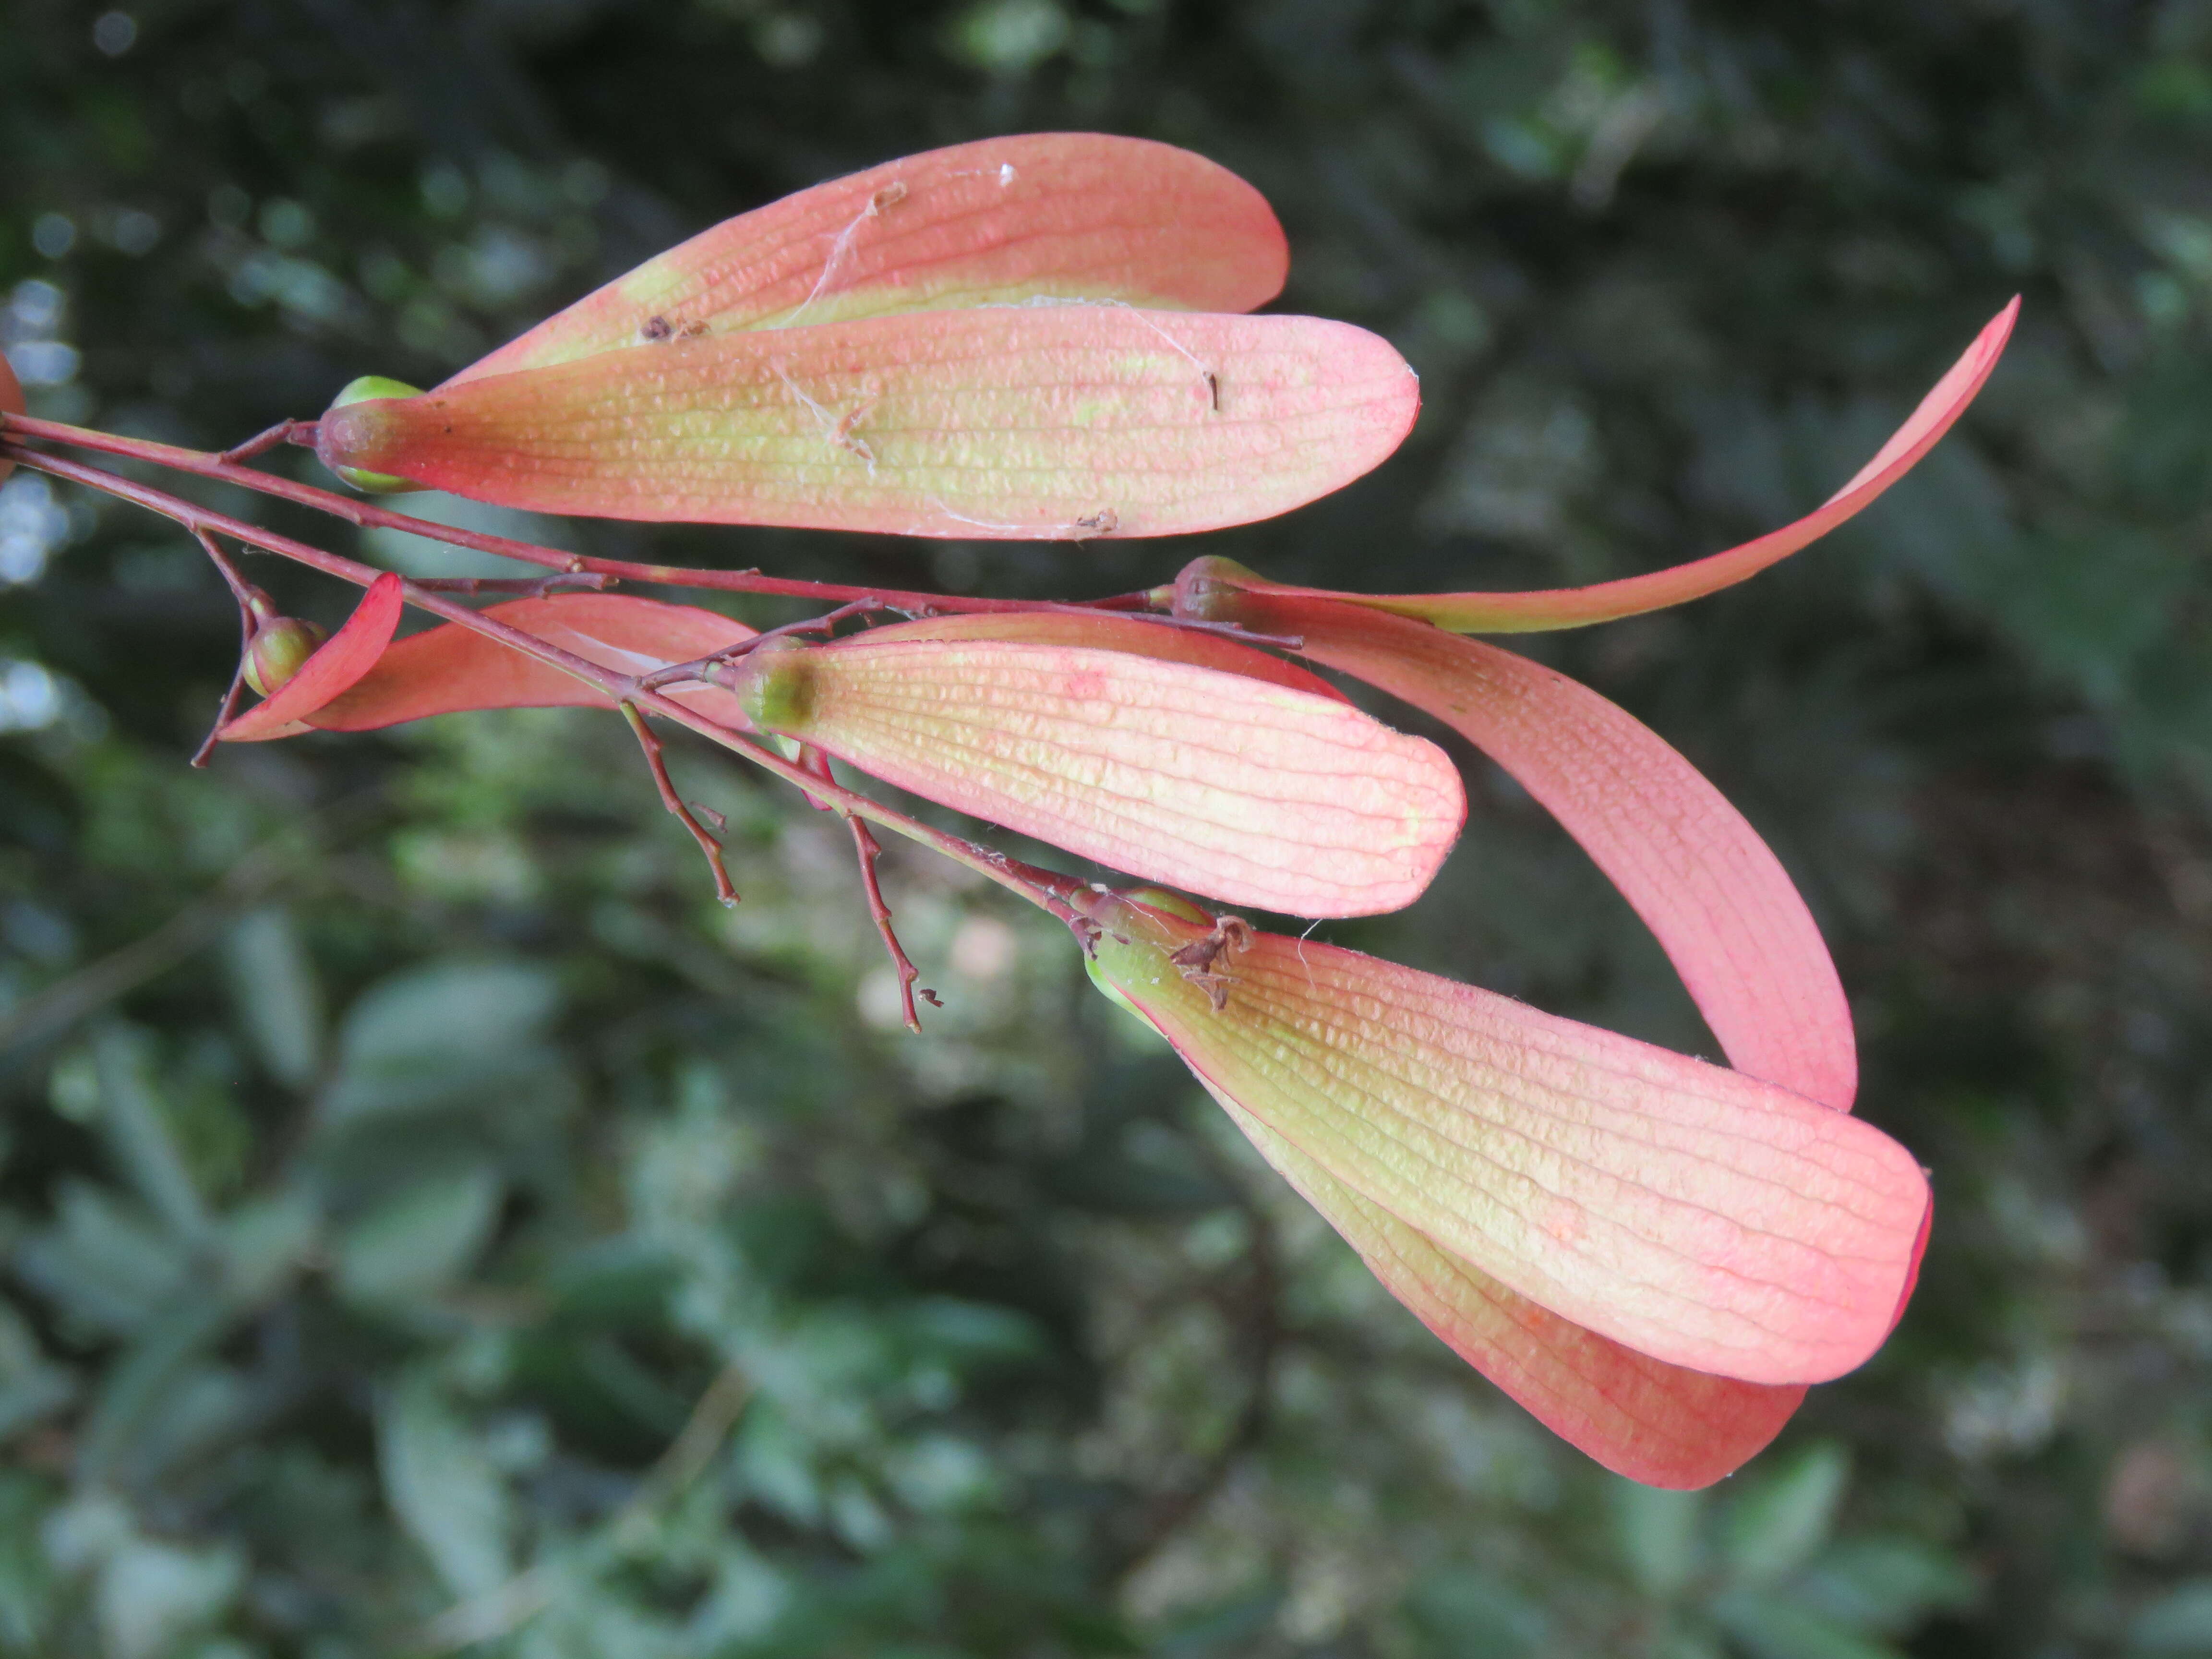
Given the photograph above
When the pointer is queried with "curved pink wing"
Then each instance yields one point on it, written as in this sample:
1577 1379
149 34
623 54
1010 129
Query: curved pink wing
1069 423
341 661
1712 892
445 669
1696 1215
1664 1424
1578 607
1736 928
1076 216
1220 782
1104 630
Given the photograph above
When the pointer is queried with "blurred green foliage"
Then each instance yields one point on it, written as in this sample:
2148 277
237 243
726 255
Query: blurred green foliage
427 1219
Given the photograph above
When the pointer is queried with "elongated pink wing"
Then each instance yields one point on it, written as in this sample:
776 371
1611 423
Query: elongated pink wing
1664 1424
1736 930
1075 215
1218 782
1069 423
1578 607
1104 630
1681 1209
341 661
1711 891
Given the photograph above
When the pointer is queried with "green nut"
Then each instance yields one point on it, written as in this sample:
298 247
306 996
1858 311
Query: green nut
1206 589
279 649
362 390
775 685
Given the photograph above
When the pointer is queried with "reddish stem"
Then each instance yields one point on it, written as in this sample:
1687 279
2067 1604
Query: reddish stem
199 464
243 592
700 668
870 850
725 889
523 588
1047 889
262 442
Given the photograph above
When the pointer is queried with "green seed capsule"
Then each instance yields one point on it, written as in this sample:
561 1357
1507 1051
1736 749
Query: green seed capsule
279 649
360 390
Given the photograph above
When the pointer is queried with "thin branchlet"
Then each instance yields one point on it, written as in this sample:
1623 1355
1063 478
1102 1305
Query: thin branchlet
522 588
870 849
261 443
1149 606
1045 889
245 593
649 741
701 668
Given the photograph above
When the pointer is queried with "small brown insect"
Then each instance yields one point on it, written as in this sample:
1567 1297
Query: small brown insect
889 196
1204 962
1104 522
844 431
654 330
1213 389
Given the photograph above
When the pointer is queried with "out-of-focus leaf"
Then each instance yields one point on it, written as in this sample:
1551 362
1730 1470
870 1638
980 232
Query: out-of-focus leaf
1065 423
1661 1535
31 1387
151 1595
1886 1585
266 1240
24 1577
615 1280
1468 1615
1057 215
124 1424
1772 1627
2176 1625
279 995
418 1239
1782 1515
138 1127
445 1491
103 1262
447 1030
